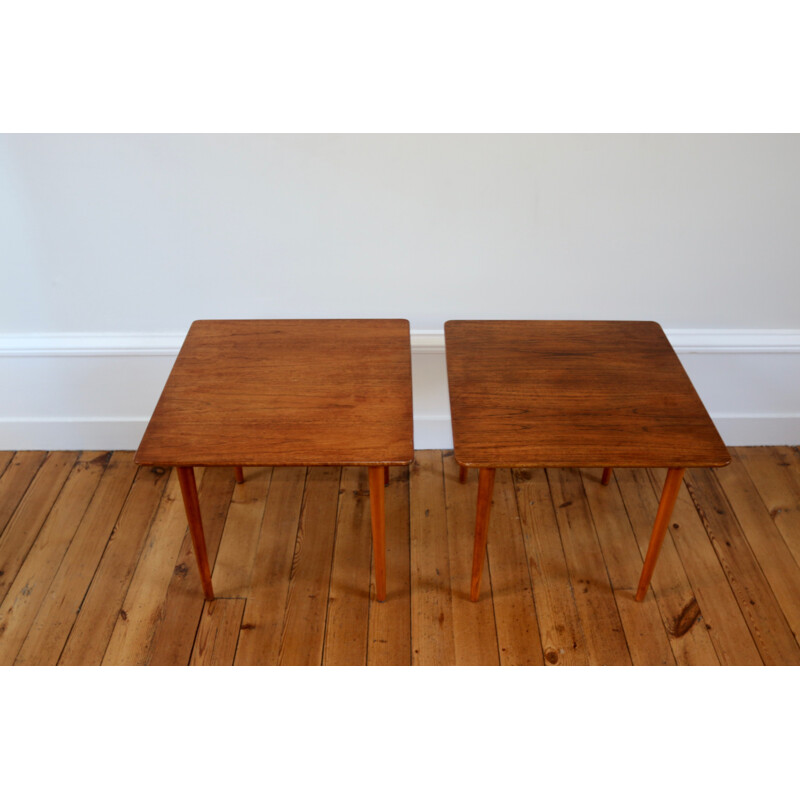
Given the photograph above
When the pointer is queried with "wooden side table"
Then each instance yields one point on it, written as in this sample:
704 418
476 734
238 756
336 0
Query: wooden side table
574 394
286 393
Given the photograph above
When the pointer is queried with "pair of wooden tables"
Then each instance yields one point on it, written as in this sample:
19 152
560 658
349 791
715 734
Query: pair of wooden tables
338 392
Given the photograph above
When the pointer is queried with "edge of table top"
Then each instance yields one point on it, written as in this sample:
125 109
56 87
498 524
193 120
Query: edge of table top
276 463
396 329
450 326
588 464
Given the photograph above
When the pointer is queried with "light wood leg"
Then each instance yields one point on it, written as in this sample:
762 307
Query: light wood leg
386 476
462 474
239 474
377 506
485 488
669 495
192 506
606 479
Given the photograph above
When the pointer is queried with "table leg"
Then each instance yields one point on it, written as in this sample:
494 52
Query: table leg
485 488
462 474
376 504
192 506
606 479
386 476
239 474
668 497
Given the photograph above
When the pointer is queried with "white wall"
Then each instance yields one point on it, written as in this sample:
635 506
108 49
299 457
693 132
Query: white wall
142 234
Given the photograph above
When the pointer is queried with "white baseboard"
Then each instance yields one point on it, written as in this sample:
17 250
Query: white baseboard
432 432
759 429
684 340
72 433
97 391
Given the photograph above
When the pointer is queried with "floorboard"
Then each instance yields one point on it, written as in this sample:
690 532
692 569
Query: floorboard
588 573
389 638
262 625
102 605
218 634
29 588
97 567
64 601
18 473
518 640
30 514
432 626
775 471
142 608
474 627
761 610
347 620
302 639
680 612
765 540
646 635
183 600
720 612
562 637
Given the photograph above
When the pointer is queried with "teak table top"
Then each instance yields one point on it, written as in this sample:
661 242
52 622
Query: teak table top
569 394
286 392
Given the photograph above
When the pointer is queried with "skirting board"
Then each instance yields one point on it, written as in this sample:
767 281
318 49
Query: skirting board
96 391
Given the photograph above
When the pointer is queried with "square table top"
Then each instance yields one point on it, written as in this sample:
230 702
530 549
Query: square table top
286 393
570 394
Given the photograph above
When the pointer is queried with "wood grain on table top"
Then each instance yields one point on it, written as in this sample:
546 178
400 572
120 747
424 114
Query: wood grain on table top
569 394
286 392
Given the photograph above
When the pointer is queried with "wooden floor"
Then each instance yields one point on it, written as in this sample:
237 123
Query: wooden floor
96 566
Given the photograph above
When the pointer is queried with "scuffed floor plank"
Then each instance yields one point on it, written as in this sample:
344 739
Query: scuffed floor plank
474 629
680 610
30 514
588 573
518 639
775 472
17 476
562 637
432 636
389 642
64 601
303 635
347 622
89 637
262 625
766 542
141 610
644 629
30 586
722 616
218 634
177 624
761 611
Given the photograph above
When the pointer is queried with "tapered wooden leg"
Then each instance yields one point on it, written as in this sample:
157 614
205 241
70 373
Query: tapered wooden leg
462 474
376 505
386 476
668 497
192 506
606 476
239 474
485 488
